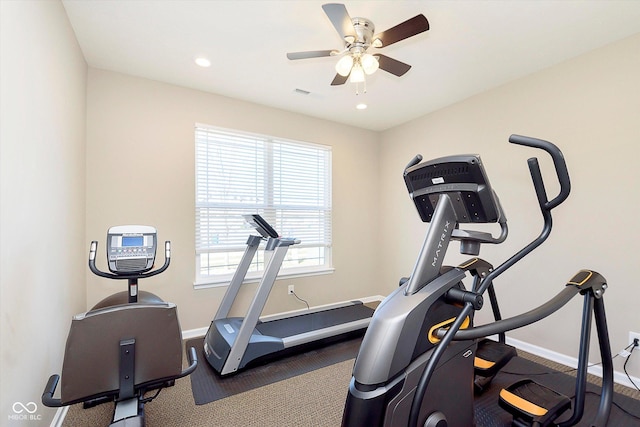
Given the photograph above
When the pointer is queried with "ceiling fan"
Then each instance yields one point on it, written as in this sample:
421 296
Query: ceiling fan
359 35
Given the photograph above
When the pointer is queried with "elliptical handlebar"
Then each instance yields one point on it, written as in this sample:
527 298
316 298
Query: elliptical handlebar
92 264
417 159
560 167
545 205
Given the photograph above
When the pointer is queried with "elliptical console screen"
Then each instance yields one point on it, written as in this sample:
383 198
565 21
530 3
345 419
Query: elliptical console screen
463 178
131 248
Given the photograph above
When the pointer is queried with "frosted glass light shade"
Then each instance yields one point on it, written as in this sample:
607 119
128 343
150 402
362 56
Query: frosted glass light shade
369 63
357 74
343 66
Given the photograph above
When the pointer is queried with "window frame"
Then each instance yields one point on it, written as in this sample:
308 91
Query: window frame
268 208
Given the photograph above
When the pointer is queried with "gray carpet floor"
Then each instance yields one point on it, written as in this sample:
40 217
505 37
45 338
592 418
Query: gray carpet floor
312 399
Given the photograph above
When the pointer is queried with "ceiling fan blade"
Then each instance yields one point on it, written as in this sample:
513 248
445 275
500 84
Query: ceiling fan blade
392 66
404 30
339 80
340 19
310 54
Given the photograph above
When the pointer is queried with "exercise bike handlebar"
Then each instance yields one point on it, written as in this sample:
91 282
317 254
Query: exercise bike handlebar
50 388
192 357
92 264
560 167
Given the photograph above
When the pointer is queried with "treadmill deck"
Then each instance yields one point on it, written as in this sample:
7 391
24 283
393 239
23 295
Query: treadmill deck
308 322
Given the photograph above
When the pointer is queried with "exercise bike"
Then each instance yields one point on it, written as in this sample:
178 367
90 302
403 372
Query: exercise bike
415 366
128 344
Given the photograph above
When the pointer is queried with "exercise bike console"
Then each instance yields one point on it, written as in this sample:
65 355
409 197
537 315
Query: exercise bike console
131 252
131 248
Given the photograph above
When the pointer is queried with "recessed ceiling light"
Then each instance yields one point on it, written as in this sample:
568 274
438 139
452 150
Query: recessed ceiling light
361 106
203 62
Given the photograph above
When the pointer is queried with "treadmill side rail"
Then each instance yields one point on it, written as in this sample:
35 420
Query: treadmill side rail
250 321
238 277
329 332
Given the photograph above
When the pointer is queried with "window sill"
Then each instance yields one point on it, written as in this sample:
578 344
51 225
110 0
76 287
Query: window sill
223 282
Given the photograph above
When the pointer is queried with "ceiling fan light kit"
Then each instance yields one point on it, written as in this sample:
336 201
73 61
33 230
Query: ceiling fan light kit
359 35
344 65
369 63
357 74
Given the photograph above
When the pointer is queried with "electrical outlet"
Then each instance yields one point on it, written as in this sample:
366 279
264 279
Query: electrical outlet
290 292
634 335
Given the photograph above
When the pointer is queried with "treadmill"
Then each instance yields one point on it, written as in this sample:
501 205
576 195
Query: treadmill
234 343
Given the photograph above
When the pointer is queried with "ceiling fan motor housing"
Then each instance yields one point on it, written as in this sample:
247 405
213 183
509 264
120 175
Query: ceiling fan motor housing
364 34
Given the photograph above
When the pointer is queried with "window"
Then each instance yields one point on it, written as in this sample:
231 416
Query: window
287 182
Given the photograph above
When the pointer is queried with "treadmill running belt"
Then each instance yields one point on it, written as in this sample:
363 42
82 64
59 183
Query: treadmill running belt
300 324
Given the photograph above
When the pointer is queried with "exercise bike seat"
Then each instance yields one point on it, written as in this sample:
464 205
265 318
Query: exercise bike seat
119 298
533 404
90 367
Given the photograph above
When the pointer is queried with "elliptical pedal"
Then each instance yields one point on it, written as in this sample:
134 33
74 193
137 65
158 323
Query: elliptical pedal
533 404
491 356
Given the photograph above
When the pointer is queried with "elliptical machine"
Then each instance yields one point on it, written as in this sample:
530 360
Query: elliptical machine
127 344
415 366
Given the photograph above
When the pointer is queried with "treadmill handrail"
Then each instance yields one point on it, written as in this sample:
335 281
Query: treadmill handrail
238 349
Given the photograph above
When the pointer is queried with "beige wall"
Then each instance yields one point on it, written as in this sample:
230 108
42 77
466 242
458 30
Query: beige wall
61 187
42 199
589 107
140 169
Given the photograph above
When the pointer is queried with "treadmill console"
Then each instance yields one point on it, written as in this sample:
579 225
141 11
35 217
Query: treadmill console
463 178
261 226
131 248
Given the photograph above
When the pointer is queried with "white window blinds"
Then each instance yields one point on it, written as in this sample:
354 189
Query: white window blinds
287 182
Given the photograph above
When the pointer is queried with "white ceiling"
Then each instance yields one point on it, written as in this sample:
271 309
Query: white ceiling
472 46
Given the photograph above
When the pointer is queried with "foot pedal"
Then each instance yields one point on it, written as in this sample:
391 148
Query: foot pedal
530 402
491 356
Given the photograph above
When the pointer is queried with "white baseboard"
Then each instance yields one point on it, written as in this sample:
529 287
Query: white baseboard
618 377
194 333
58 418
